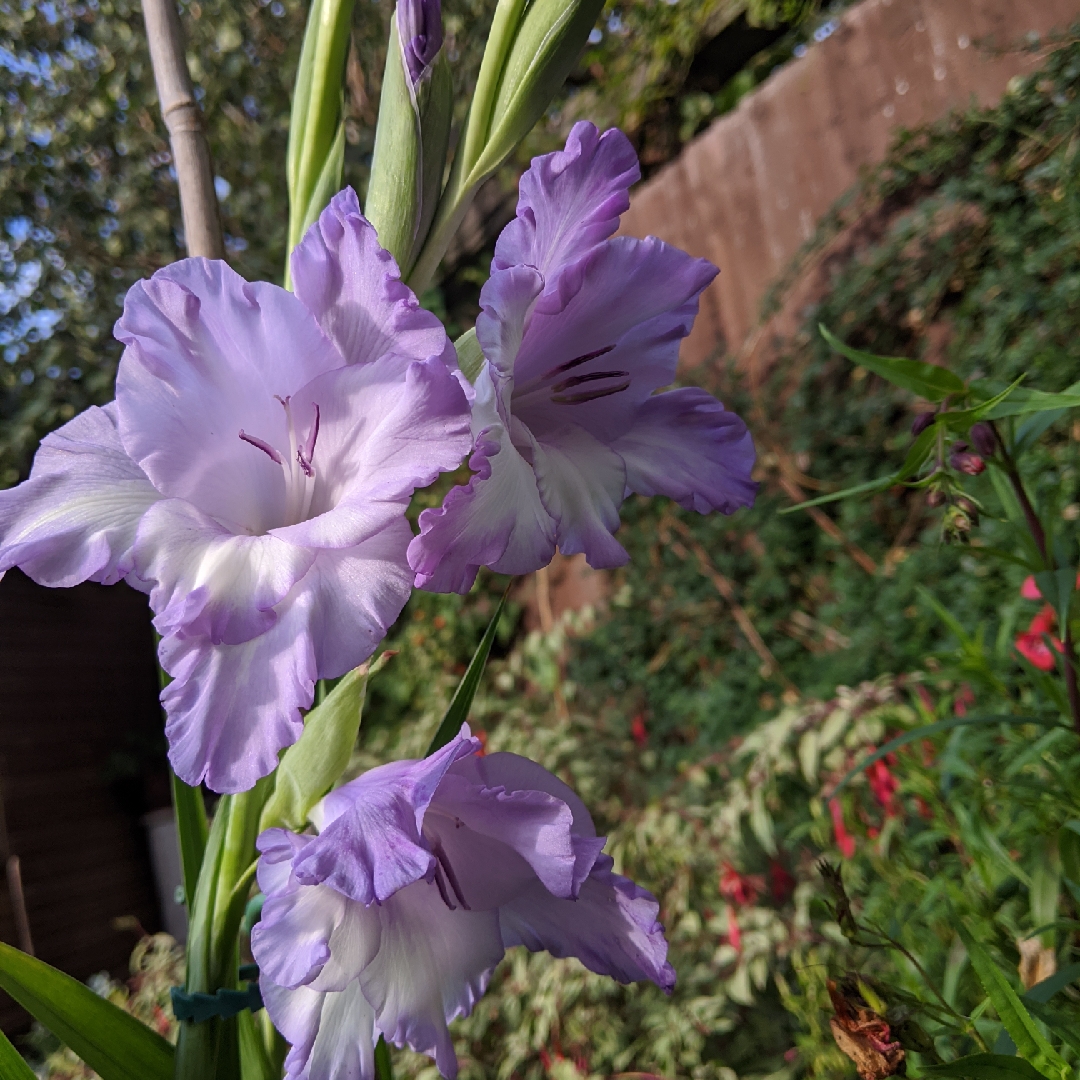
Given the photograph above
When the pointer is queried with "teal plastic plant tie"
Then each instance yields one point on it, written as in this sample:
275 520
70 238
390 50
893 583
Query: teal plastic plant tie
198 1008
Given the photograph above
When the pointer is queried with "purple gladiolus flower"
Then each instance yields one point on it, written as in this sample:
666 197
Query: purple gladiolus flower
420 31
391 920
579 330
252 476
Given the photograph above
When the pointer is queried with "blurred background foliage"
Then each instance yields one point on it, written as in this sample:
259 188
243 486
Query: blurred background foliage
692 742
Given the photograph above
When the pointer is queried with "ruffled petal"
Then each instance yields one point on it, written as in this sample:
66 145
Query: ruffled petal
307 935
569 201
75 518
433 965
386 428
684 444
231 708
210 582
356 595
332 1034
581 484
611 927
495 520
354 289
505 303
207 354
291 940
492 843
370 843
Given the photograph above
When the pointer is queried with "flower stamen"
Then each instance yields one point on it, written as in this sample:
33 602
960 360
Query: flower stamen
298 467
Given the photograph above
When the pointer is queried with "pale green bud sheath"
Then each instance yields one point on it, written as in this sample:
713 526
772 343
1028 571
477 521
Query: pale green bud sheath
529 54
413 132
316 152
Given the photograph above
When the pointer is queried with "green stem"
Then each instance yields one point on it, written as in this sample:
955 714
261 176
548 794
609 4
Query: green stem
1038 534
211 1050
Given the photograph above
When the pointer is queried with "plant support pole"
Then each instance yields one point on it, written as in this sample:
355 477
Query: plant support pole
187 137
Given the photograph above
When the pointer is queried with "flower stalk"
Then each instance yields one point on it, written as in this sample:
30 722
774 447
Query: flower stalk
212 1048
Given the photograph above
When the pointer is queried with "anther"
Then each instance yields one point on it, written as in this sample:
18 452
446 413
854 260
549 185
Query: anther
265 447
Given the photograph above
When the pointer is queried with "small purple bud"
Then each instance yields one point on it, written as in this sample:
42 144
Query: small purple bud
963 460
983 438
935 497
921 423
419 25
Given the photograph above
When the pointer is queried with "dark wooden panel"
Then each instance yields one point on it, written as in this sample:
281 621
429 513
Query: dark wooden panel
80 760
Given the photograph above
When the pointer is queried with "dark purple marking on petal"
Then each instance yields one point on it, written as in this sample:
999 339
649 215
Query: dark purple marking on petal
593 376
590 395
265 447
579 360
444 862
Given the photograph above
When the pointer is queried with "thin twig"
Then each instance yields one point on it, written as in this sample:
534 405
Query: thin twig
187 137
828 526
727 590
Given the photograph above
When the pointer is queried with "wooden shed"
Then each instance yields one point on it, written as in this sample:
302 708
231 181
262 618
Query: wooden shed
81 760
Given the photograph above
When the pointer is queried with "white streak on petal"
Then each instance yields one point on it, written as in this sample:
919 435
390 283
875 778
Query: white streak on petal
433 965
74 520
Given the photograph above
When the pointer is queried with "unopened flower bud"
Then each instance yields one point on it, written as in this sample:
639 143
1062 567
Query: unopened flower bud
935 497
983 439
969 508
921 423
964 460
420 31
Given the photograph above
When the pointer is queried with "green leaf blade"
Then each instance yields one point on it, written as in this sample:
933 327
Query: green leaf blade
12 1064
986 1067
192 830
112 1042
1030 1042
458 711
927 380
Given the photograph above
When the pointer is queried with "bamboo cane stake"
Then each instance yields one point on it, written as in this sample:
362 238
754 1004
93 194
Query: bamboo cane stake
187 136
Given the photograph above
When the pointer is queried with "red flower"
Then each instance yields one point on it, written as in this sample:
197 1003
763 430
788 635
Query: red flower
1032 643
963 701
637 729
736 888
844 840
884 786
781 883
